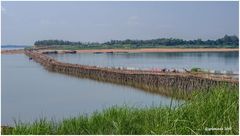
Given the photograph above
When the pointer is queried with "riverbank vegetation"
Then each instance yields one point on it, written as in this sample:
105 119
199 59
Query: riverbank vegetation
211 112
225 42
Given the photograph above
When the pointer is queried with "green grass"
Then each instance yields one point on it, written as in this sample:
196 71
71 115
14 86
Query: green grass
196 70
215 108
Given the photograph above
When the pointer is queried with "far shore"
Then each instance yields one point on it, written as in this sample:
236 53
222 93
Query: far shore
20 51
153 50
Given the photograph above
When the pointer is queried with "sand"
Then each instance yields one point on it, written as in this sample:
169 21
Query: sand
164 50
19 51
156 50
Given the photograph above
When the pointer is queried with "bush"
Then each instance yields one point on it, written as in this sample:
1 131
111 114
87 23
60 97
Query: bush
196 70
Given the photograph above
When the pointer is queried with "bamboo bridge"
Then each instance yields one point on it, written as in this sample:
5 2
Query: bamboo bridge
176 84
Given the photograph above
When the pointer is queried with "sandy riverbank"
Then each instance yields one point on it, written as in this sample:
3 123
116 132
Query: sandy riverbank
17 51
156 50
162 50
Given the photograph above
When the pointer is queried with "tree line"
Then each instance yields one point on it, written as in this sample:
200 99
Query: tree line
56 42
229 41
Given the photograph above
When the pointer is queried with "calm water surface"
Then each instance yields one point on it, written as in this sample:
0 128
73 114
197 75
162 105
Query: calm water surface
222 61
30 92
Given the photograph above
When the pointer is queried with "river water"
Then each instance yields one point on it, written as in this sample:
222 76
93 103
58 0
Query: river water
219 61
30 92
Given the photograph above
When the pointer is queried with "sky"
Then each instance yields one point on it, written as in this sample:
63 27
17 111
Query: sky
22 23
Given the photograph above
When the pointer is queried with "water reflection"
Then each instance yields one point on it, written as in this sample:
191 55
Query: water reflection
223 61
30 92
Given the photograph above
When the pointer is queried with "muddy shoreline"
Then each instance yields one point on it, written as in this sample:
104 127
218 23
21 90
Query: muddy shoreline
16 51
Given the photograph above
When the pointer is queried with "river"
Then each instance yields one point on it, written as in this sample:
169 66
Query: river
30 92
220 61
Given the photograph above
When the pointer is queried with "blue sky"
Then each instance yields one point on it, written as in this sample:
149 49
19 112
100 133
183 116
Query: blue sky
26 22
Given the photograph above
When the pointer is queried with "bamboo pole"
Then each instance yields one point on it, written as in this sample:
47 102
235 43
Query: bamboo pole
166 83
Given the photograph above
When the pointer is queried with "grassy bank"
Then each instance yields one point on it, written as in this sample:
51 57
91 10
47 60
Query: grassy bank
216 108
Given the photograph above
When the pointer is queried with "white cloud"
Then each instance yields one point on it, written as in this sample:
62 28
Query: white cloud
133 20
50 22
102 24
46 22
3 10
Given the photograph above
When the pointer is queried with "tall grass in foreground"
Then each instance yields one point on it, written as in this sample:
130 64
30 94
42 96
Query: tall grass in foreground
213 109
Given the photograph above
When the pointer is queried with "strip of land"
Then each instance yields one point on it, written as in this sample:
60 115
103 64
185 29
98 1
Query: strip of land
20 51
17 51
153 50
168 83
